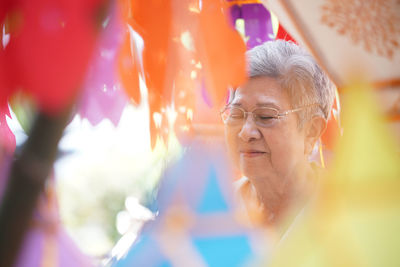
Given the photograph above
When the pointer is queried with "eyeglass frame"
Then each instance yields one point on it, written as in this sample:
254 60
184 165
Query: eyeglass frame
278 116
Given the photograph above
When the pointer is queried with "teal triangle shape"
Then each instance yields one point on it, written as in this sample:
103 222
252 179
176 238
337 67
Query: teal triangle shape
212 200
221 251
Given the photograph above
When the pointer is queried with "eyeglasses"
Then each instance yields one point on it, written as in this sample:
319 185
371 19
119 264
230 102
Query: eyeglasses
263 117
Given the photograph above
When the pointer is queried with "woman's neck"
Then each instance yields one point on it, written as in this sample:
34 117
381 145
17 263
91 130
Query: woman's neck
277 199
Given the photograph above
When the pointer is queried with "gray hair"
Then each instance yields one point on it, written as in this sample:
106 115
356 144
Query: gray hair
297 73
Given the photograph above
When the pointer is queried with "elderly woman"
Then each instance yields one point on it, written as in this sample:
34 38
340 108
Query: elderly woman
272 124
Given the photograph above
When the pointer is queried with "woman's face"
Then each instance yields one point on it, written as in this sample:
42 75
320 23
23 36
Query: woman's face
266 154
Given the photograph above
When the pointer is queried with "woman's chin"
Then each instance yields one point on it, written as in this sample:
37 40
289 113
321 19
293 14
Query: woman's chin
254 167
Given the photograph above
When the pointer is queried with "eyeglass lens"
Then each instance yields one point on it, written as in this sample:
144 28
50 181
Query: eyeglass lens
263 117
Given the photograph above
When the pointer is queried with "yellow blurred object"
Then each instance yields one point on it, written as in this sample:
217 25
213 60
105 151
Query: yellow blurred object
355 219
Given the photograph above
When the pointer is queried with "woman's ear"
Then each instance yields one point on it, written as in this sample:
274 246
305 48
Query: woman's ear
313 131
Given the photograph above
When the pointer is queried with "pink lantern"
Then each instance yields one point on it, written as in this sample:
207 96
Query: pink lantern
103 96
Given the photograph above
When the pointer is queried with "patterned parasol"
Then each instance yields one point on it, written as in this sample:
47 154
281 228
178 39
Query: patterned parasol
350 39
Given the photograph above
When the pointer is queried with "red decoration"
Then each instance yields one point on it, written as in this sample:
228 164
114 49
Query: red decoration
284 35
49 49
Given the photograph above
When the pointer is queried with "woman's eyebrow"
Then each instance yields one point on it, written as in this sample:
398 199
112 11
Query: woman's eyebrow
259 105
236 104
268 105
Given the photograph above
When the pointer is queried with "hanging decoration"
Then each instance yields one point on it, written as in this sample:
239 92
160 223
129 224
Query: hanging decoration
47 49
284 35
102 96
44 51
257 21
194 46
47 243
197 223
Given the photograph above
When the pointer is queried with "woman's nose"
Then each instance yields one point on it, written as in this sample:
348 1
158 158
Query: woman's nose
249 130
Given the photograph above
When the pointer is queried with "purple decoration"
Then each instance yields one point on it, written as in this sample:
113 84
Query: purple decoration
236 13
31 250
64 251
102 96
47 243
257 23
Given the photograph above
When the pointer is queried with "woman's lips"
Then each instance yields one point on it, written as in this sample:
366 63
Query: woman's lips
252 154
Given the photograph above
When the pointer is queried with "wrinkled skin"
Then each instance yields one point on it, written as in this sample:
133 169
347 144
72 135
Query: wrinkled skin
274 158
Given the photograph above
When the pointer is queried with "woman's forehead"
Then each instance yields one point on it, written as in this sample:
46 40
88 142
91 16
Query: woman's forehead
261 92
245 100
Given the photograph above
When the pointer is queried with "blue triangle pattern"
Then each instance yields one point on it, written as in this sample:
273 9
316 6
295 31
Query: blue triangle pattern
144 253
221 251
165 264
212 200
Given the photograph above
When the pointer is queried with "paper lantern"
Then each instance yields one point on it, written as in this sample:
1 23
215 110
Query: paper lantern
195 46
356 39
49 48
102 95
197 223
